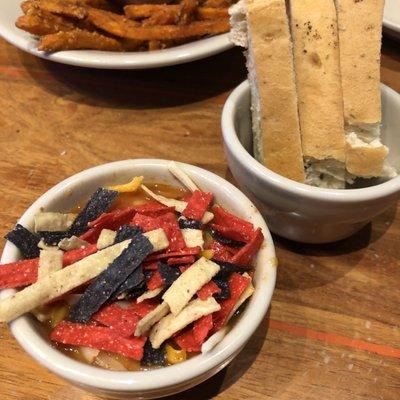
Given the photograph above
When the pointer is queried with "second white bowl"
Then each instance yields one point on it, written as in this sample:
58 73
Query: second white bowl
298 211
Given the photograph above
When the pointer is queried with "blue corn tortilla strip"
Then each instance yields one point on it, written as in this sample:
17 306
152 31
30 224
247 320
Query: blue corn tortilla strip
52 238
168 274
136 292
97 205
153 357
186 223
108 282
26 241
225 292
133 281
227 268
224 240
127 232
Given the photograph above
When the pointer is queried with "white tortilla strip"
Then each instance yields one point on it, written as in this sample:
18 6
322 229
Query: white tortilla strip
72 243
151 318
57 283
150 294
172 324
193 237
53 221
178 204
182 176
43 246
106 238
184 288
88 353
213 340
50 260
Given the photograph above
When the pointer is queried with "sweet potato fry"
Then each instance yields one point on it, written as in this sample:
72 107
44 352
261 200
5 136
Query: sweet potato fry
28 5
161 18
187 10
141 11
217 3
40 23
209 13
78 39
122 27
62 7
102 4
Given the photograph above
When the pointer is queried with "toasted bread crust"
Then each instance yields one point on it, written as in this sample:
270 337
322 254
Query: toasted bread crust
316 60
360 32
271 51
366 162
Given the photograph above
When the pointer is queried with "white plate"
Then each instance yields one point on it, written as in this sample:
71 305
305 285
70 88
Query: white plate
391 18
10 10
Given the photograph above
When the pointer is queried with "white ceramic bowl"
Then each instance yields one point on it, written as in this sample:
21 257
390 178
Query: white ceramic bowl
10 11
391 18
298 211
172 379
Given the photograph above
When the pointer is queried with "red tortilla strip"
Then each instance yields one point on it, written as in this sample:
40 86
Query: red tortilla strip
228 220
237 284
143 308
151 266
221 252
202 327
246 254
18 274
123 320
173 232
186 341
191 339
153 209
181 260
231 233
184 268
197 205
145 222
98 337
25 272
208 290
112 220
155 281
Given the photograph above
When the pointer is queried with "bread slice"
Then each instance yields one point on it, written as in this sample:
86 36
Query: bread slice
360 32
262 27
319 91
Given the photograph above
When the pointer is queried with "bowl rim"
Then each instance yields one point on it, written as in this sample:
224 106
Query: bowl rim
142 381
231 140
188 52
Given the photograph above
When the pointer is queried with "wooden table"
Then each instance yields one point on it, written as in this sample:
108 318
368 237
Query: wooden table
333 329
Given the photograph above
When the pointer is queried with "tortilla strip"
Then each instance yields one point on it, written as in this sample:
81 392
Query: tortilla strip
50 260
118 25
40 23
106 238
178 204
193 237
72 243
213 340
182 176
172 324
57 283
78 39
185 287
150 294
151 318
243 297
53 221
62 7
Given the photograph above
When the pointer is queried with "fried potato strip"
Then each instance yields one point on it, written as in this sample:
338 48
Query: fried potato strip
78 39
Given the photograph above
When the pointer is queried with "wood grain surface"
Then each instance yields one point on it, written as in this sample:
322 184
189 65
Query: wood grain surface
333 330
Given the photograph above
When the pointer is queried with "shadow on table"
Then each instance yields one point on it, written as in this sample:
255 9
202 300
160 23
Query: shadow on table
234 371
154 88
